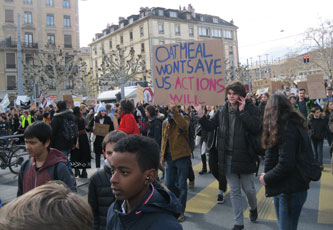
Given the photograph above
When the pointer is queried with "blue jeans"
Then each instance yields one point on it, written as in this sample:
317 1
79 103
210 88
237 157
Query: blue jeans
288 215
318 149
68 163
176 173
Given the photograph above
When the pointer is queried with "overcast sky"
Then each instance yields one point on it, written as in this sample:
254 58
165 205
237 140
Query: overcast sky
265 26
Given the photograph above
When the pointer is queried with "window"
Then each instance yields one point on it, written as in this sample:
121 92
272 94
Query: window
202 18
27 18
27 1
142 47
121 25
161 42
11 82
160 13
190 31
67 21
9 16
227 34
95 50
131 36
65 4
49 3
231 51
177 29
50 19
161 28
173 14
10 61
51 38
216 33
203 31
110 44
28 39
69 83
141 31
131 20
215 20
121 39
29 59
188 16
68 41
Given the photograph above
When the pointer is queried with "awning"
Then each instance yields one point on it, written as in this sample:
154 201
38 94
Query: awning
130 92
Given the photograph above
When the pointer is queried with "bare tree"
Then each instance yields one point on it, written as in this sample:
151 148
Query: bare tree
320 41
55 69
119 67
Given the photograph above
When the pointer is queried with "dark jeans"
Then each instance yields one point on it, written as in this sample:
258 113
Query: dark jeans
329 140
176 174
288 209
318 149
213 165
191 175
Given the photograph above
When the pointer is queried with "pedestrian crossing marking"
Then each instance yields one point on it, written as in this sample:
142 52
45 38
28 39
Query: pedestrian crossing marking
325 209
265 204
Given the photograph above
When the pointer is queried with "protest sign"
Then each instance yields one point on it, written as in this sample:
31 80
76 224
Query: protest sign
316 86
69 101
140 93
189 73
148 95
101 129
303 85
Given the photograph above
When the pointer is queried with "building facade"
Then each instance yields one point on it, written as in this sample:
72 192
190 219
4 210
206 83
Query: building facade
153 26
41 22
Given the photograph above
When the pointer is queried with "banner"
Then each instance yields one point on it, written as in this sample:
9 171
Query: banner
5 101
42 100
189 73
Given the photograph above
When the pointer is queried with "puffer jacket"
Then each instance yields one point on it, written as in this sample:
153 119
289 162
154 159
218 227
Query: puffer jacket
155 129
175 130
247 123
318 127
282 175
157 210
100 195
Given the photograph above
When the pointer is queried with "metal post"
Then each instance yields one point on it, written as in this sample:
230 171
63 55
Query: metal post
19 57
259 67
248 76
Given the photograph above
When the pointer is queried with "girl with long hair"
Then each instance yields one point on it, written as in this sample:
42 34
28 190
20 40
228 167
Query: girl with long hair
283 143
128 123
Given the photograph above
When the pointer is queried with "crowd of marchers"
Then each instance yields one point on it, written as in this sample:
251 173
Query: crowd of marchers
143 139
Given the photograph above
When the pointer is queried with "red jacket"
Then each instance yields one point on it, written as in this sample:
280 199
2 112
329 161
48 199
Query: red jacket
29 178
128 124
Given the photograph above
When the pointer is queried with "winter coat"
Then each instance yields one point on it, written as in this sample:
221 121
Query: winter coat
175 130
100 195
318 127
29 178
155 129
128 124
282 175
308 105
246 123
58 140
157 210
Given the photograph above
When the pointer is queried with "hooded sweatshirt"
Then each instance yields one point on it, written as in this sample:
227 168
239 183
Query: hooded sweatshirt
30 177
158 210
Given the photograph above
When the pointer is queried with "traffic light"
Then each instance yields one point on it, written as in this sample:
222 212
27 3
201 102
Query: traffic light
306 59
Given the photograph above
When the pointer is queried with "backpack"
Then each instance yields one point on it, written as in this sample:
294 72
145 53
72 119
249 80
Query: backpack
307 166
143 123
70 130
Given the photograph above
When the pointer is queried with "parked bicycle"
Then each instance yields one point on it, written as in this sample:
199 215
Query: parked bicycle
12 154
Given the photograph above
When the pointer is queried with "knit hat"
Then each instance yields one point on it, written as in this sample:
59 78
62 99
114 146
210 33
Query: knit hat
101 108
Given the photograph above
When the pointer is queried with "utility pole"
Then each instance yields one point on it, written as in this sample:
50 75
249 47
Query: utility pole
259 67
248 76
19 57
267 69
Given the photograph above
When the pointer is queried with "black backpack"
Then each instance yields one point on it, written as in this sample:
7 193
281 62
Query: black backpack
70 130
307 166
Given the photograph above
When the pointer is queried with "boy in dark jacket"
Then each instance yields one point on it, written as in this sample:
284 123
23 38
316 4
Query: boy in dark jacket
318 130
45 164
140 204
100 195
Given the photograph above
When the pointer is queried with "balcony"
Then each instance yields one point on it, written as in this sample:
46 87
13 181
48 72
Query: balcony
30 45
8 44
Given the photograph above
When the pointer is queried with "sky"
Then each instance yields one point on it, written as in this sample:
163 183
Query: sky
265 27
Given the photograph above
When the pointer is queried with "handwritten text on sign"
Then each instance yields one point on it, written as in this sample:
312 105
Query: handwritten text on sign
189 73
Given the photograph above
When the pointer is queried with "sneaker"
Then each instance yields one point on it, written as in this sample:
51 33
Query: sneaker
181 218
220 199
203 171
238 227
253 215
191 184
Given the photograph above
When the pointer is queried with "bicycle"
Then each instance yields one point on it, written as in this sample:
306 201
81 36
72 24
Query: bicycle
12 155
